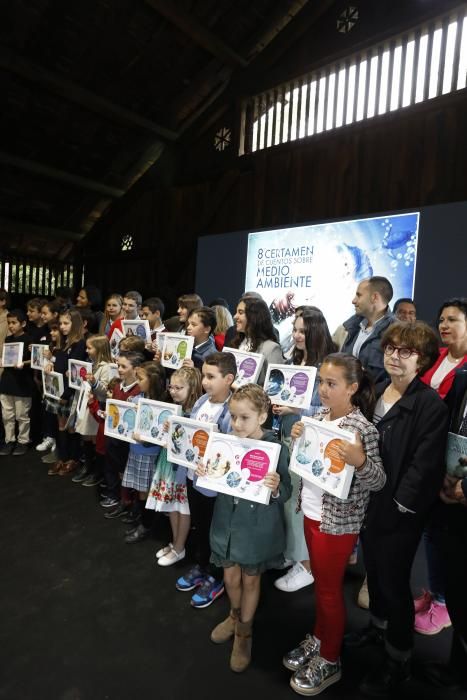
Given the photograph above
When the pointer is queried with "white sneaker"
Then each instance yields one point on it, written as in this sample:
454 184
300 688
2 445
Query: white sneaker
297 577
48 443
171 557
164 550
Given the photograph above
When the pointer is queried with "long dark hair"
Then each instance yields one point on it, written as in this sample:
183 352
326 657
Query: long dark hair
259 324
318 341
365 397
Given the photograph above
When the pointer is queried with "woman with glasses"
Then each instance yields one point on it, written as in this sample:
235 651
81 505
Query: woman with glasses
412 423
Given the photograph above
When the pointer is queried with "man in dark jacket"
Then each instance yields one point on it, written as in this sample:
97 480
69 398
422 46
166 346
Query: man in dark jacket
365 328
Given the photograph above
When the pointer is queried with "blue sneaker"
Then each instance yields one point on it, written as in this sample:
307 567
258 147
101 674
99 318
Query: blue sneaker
194 578
207 592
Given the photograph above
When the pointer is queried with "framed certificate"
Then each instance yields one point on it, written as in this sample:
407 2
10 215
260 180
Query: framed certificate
290 385
150 420
456 456
114 341
120 419
38 361
315 459
83 398
12 354
237 466
187 440
77 371
248 366
52 384
175 348
139 328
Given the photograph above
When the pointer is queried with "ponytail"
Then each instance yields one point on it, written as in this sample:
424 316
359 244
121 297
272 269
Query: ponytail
365 397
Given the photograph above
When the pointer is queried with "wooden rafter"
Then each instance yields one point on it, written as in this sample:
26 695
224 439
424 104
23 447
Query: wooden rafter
190 26
15 63
22 228
60 175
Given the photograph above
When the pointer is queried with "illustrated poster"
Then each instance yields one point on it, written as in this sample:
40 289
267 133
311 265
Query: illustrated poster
52 384
248 366
38 360
314 457
12 355
114 341
237 466
456 456
120 419
150 420
187 440
175 348
290 385
139 328
77 371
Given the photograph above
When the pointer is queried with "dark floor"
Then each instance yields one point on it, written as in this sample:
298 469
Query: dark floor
86 617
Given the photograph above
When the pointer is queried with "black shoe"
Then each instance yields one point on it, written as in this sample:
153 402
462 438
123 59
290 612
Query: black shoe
131 518
7 449
138 534
384 681
20 450
443 676
369 635
81 475
131 529
116 512
92 480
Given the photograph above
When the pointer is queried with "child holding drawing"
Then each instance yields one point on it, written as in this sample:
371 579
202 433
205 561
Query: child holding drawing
168 492
142 456
248 538
16 386
73 348
331 524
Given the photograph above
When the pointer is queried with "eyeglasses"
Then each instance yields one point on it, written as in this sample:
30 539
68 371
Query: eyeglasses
404 353
173 387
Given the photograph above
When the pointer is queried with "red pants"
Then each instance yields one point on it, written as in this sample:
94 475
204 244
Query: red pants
329 555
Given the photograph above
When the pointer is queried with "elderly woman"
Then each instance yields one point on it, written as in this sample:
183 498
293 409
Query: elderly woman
412 423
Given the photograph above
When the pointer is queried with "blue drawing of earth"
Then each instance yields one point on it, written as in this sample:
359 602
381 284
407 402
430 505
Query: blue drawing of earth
285 395
317 467
233 479
190 455
154 432
303 458
120 429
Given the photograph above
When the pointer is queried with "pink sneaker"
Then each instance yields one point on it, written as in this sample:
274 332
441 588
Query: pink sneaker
423 602
433 620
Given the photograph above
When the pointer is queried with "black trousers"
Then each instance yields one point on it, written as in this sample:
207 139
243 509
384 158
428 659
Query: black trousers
116 456
389 551
201 510
454 548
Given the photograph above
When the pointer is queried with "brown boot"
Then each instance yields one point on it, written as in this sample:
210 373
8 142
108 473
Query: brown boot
241 652
55 468
225 630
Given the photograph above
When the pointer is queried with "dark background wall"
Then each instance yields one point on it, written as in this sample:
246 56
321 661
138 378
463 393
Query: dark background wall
409 159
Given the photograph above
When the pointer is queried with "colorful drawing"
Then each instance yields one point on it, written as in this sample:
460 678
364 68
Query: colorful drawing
290 385
12 355
175 348
152 418
38 360
187 440
315 457
237 466
137 327
52 384
120 419
248 366
77 372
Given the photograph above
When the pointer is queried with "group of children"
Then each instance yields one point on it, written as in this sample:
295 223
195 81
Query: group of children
233 540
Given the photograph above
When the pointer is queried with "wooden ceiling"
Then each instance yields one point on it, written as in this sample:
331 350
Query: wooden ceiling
94 91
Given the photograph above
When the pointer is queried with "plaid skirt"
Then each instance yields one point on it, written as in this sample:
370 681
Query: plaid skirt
139 471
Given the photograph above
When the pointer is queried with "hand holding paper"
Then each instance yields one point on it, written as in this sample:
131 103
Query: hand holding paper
352 453
271 481
297 430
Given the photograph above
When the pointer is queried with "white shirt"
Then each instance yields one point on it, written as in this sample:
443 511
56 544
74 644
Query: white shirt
364 334
443 370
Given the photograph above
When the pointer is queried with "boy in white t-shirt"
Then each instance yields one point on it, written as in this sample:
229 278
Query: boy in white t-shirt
219 371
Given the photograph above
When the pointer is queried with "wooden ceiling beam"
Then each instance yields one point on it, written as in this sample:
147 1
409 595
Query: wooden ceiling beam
190 26
22 228
14 63
60 175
